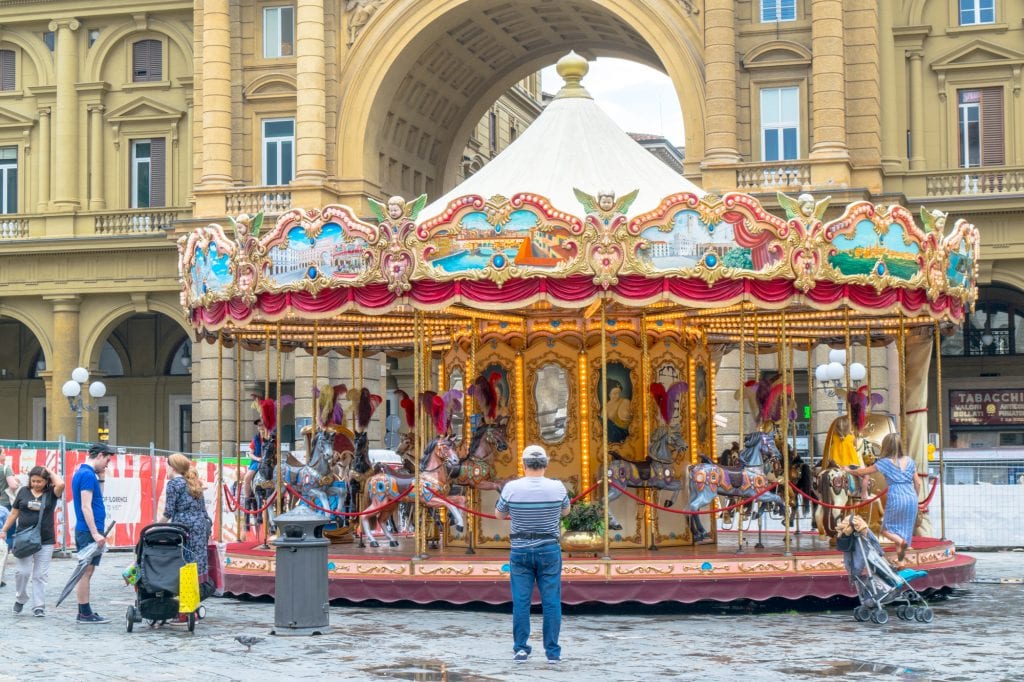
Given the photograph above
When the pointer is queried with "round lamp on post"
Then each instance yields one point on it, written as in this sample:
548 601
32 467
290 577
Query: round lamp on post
80 374
857 372
71 390
836 372
837 356
97 389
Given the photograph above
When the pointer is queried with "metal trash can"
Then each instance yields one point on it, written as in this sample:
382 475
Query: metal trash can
301 604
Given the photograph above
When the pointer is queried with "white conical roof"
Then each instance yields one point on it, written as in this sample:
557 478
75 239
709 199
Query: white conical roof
573 143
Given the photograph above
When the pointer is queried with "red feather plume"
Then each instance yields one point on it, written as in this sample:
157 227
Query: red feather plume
660 396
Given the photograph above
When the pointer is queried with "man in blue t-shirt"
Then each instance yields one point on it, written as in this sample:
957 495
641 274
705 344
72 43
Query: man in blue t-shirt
90 515
536 505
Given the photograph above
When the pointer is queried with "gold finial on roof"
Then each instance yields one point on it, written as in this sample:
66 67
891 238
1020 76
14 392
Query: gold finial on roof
572 68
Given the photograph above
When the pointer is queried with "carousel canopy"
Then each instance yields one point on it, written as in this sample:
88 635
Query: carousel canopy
573 144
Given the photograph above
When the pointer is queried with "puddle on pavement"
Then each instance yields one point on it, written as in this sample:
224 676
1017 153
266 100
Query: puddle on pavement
424 671
844 668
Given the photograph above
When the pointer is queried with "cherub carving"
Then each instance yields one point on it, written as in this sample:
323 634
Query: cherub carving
361 12
248 259
397 220
803 207
604 216
934 220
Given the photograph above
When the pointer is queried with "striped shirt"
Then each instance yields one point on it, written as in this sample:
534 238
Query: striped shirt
535 504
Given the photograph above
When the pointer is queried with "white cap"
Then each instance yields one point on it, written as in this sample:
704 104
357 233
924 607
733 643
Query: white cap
535 452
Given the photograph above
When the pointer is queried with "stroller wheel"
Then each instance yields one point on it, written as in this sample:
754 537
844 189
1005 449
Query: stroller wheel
129 619
861 614
902 612
880 616
924 614
201 612
191 620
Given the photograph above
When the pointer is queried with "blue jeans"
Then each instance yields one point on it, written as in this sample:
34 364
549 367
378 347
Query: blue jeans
543 566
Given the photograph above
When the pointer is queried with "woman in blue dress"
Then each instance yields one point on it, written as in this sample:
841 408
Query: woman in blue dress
185 505
901 503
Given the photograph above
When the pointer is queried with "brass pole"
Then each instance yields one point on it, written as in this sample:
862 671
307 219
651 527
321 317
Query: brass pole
811 405
220 436
645 383
792 428
266 368
785 431
353 388
743 416
940 425
278 503
316 357
239 475
604 423
846 367
416 369
903 381
467 434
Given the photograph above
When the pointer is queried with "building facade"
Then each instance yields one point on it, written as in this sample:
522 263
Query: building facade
123 126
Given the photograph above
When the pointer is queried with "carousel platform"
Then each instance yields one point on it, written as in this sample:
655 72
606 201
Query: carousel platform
678 574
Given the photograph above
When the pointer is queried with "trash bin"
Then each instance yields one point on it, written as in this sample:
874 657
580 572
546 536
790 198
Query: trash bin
301 604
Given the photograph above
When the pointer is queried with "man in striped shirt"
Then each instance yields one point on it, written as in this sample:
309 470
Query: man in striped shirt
535 504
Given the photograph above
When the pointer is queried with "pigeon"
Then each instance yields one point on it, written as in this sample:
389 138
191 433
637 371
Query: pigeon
247 641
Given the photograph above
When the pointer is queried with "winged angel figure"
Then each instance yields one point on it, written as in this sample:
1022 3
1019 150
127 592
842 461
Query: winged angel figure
397 220
604 216
806 256
247 263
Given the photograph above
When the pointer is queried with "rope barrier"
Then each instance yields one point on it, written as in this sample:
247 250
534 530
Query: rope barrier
687 512
841 507
232 503
584 493
465 509
923 504
322 510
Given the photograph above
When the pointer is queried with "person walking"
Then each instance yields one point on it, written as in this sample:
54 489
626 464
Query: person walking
90 517
34 506
535 504
901 503
184 504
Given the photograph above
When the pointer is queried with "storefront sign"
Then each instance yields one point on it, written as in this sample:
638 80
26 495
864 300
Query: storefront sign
989 407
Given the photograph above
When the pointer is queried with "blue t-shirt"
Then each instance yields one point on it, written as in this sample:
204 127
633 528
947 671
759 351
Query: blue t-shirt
86 479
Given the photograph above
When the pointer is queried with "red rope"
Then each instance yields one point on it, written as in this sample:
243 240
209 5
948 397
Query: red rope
232 502
923 504
465 509
687 512
584 493
312 505
841 507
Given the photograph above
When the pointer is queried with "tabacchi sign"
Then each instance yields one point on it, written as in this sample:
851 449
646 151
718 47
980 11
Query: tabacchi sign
991 407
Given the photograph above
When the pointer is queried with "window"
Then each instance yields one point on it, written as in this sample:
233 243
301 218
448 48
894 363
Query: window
7 72
278 151
147 61
778 10
780 124
513 131
8 179
94 35
185 427
50 40
278 32
977 12
148 159
492 130
980 127
992 329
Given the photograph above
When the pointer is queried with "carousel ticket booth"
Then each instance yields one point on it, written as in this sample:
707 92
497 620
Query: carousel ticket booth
576 293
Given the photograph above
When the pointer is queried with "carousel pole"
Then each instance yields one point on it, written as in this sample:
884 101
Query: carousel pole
903 380
352 378
604 424
846 366
266 394
239 476
743 416
277 407
938 403
867 344
645 382
792 433
416 381
220 436
785 432
811 405
757 378
467 433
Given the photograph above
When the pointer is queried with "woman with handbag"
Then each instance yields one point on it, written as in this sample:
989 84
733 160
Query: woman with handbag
185 505
33 542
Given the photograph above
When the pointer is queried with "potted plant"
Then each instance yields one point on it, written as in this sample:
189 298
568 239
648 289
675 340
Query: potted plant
584 527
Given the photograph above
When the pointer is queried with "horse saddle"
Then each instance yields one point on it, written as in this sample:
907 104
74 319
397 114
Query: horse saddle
401 480
735 475
643 469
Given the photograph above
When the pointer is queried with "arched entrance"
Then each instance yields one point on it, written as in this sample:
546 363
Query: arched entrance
22 389
419 78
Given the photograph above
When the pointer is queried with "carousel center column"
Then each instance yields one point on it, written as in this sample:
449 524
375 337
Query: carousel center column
311 97
720 93
828 92
66 114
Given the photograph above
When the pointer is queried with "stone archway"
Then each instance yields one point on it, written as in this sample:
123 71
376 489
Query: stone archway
22 387
418 78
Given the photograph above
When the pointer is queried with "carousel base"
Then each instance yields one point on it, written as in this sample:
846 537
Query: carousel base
678 574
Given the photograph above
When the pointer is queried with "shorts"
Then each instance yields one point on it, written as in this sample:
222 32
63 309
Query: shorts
254 466
83 538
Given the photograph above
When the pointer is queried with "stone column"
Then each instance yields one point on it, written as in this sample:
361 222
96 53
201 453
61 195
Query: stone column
60 420
44 159
311 98
891 138
916 110
828 80
216 74
97 202
720 80
66 111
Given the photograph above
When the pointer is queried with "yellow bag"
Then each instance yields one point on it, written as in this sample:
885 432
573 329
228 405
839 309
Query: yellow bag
188 588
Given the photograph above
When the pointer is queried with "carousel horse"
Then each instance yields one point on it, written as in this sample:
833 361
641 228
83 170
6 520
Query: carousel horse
437 465
802 477
758 459
476 469
654 472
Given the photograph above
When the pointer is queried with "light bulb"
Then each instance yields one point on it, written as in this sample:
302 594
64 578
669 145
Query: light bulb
97 389
821 373
80 374
857 372
71 389
835 371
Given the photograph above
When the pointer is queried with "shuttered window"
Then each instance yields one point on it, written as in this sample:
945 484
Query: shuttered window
147 61
7 73
149 161
981 127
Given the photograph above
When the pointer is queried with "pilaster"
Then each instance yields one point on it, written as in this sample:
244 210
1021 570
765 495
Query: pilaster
216 80
66 137
311 98
720 70
66 348
828 81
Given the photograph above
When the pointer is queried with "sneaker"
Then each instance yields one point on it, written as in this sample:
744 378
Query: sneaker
552 661
521 656
38 613
92 619
18 608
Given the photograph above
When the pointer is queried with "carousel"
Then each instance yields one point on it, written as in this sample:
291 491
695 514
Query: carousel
578 294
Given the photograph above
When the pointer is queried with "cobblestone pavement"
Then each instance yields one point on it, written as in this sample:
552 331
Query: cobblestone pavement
975 636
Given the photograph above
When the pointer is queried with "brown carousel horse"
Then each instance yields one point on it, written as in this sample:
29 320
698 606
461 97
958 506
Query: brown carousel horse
489 437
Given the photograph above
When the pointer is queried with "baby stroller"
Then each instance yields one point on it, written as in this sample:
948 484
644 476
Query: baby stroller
159 556
878 584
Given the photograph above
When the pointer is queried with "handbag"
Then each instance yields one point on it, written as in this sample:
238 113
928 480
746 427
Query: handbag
29 541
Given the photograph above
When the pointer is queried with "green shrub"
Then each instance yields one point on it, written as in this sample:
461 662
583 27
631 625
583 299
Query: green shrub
586 517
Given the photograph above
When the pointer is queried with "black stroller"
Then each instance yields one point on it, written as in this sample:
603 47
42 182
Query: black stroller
159 555
879 584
